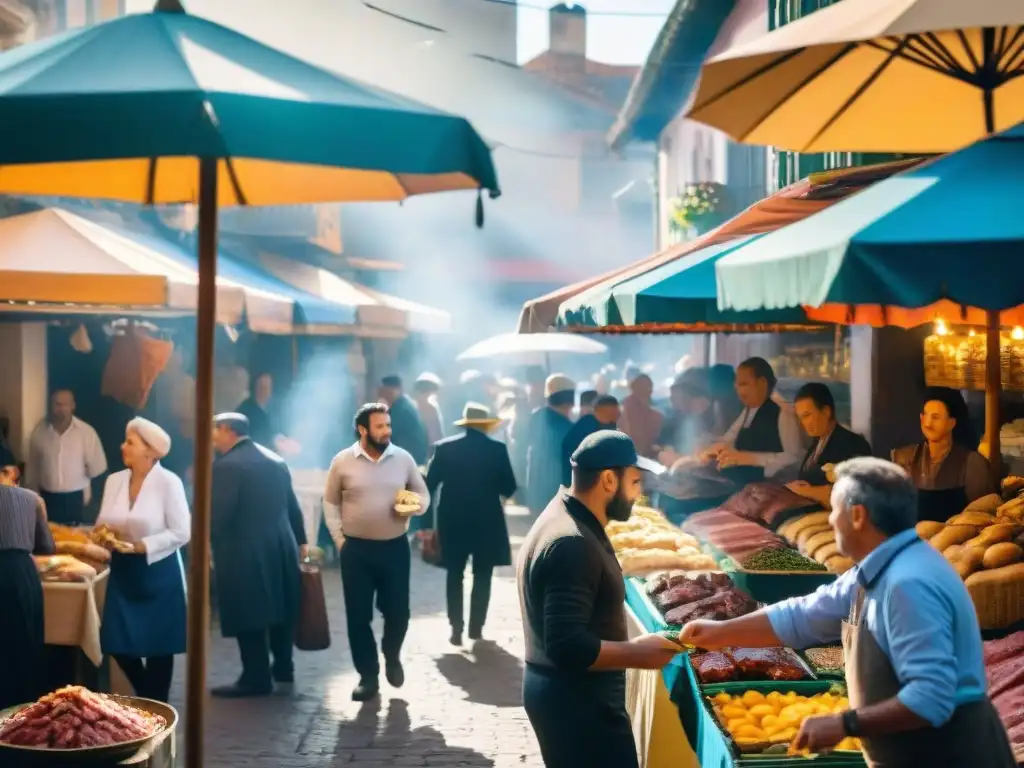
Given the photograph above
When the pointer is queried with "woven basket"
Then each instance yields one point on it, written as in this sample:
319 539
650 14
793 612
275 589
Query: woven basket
999 604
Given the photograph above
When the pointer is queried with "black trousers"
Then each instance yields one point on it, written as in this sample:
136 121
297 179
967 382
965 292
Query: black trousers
375 570
580 720
257 671
151 677
64 508
479 597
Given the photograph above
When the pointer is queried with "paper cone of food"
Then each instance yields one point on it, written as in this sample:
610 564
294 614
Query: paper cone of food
407 503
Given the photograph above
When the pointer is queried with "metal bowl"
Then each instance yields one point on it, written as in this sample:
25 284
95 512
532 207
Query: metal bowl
112 754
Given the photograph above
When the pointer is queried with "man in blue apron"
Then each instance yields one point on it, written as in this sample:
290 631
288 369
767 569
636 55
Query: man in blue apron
909 630
571 593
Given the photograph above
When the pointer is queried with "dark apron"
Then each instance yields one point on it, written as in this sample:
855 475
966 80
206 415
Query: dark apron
144 613
580 719
973 737
64 508
22 631
939 505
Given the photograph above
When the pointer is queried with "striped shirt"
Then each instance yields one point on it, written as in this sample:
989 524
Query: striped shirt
23 522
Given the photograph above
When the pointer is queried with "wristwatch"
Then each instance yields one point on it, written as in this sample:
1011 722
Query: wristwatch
851 723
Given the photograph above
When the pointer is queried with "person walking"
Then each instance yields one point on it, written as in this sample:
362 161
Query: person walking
363 484
548 427
473 473
605 414
258 537
144 614
408 431
23 532
572 594
913 649
65 456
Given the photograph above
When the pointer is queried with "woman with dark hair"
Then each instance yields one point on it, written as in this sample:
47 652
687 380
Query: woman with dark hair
946 467
831 442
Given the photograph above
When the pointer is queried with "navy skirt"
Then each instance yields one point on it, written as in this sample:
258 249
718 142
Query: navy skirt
144 614
21 629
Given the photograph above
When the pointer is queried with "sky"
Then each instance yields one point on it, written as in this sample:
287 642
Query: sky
618 31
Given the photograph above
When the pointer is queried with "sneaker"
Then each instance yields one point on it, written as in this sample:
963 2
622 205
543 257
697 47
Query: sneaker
395 673
365 691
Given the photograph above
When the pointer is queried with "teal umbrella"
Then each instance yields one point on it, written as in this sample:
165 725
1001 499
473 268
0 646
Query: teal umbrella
940 240
674 296
170 108
943 234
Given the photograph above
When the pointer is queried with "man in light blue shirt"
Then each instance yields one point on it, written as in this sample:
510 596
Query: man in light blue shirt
910 633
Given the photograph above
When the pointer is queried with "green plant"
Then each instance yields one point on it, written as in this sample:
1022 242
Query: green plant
698 207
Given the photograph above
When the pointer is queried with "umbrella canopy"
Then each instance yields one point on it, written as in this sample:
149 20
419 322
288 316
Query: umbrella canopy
679 295
532 348
148 94
940 238
873 76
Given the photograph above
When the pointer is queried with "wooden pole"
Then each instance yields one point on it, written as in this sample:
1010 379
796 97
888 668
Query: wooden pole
199 555
993 392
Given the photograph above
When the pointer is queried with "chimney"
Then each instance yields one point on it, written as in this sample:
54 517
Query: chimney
568 26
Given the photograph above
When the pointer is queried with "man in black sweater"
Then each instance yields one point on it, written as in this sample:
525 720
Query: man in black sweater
571 593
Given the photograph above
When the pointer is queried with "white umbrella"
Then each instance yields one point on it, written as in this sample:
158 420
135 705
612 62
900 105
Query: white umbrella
532 348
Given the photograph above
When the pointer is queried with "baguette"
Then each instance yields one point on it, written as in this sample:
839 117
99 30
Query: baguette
928 528
804 536
807 521
953 534
819 540
823 554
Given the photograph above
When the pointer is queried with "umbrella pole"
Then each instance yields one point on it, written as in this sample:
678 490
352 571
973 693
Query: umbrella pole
199 560
993 392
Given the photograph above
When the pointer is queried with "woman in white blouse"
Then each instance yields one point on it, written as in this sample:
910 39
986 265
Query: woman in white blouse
144 615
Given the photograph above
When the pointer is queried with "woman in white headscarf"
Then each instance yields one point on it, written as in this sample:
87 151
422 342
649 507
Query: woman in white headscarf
144 615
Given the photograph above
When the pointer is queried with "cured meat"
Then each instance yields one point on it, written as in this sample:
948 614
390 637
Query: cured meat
687 592
662 582
73 718
714 667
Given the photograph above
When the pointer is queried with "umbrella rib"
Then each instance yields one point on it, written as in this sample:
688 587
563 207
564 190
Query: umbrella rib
235 184
151 181
750 78
933 44
915 56
1015 61
848 48
1008 44
967 49
868 82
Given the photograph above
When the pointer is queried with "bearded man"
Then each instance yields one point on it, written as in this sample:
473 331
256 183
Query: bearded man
373 546
572 596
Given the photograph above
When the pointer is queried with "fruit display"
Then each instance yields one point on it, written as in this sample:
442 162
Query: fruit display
76 718
759 721
681 598
648 542
735 664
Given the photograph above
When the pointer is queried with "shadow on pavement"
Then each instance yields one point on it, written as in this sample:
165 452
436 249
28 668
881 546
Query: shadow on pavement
368 740
489 675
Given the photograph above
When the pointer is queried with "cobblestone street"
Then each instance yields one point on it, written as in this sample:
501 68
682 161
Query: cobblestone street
459 707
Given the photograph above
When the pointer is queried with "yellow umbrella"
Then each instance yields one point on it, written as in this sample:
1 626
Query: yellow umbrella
916 76
166 107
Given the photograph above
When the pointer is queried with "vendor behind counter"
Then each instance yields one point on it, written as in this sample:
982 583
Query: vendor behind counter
947 470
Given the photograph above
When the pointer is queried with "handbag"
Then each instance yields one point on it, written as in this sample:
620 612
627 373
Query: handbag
312 631
430 543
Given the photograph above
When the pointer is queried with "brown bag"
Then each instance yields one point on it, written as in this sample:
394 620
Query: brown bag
313 631
430 548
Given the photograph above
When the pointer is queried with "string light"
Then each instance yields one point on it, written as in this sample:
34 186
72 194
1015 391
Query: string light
941 329
1017 334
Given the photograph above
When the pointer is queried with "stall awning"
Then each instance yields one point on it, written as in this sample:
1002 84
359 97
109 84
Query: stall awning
795 202
374 311
56 260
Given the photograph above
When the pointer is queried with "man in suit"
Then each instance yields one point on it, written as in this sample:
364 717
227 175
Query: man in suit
473 472
605 414
407 430
258 536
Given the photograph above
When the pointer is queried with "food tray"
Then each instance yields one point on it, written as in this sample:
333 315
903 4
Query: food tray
639 589
837 676
773 586
31 757
730 686
838 759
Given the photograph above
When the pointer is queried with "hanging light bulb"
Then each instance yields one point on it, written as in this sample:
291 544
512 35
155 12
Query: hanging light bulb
940 327
972 333
1017 334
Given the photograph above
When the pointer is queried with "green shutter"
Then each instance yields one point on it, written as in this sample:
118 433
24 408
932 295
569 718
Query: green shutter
793 166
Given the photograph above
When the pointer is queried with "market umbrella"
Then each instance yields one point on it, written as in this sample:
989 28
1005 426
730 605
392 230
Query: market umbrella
940 239
531 348
873 76
169 108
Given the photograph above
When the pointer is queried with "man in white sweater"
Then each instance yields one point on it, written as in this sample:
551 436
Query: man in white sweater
359 509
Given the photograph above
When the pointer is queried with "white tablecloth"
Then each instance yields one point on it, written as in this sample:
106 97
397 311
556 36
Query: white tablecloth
309 489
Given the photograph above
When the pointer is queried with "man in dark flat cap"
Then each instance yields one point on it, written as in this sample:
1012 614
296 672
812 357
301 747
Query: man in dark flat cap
257 535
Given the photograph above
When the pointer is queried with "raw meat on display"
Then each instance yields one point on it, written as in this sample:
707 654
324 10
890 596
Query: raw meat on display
714 667
75 718
688 592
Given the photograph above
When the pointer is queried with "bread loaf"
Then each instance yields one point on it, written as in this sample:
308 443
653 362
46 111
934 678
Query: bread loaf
822 554
969 561
806 521
838 564
804 536
928 528
993 534
953 534
818 540
980 519
1002 554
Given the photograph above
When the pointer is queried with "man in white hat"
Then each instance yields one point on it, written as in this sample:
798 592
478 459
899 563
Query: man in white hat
549 425
475 473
